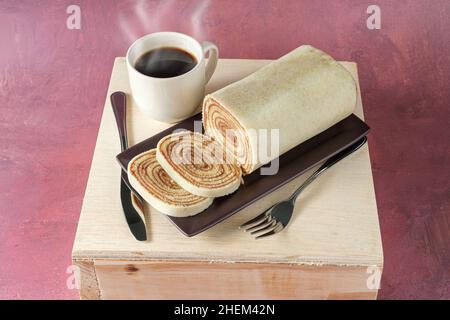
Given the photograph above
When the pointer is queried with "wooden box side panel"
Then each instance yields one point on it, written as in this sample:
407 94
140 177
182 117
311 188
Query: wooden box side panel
87 280
197 280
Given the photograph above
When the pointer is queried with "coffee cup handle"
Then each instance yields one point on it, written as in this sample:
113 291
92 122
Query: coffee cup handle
212 60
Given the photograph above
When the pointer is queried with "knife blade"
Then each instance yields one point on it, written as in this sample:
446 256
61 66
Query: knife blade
130 199
134 219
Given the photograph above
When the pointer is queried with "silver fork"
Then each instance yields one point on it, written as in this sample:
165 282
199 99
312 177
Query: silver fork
276 218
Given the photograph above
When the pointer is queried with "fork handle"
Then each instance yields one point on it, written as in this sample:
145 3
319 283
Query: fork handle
327 165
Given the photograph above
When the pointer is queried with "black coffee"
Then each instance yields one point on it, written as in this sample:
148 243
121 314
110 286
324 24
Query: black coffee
165 62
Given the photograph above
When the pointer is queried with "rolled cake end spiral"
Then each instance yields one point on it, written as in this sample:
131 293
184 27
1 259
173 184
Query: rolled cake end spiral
226 129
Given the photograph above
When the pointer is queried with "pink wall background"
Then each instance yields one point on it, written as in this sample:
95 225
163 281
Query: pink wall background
53 83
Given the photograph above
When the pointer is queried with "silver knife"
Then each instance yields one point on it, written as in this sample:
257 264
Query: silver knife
132 202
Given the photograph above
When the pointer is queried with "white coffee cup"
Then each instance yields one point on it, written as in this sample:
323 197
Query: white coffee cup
176 98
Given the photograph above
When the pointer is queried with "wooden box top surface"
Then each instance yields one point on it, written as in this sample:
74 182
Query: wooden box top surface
335 220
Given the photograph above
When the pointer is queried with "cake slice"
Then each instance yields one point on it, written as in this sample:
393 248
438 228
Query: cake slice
199 164
150 180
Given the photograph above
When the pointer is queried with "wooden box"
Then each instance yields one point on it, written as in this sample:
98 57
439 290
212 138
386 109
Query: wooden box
331 250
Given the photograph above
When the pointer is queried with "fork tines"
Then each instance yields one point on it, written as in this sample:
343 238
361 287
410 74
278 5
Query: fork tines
263 225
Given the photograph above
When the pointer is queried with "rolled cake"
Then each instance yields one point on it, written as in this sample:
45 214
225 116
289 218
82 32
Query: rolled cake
150 180
302 94
198 164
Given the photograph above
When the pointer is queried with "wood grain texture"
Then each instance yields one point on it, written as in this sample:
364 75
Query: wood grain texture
200 281
335 220
53 83
88 282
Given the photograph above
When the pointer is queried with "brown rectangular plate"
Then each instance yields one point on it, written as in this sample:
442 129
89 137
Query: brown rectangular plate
292 164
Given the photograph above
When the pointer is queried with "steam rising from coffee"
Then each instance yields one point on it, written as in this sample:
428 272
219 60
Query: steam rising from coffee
148 17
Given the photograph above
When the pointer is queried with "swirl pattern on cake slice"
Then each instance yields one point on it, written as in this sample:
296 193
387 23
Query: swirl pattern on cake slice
199 164
153 183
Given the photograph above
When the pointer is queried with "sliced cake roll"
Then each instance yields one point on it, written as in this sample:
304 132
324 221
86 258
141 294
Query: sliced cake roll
157 188
199 164
300 95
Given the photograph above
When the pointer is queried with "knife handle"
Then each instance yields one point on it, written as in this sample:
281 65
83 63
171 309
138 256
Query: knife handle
119 106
